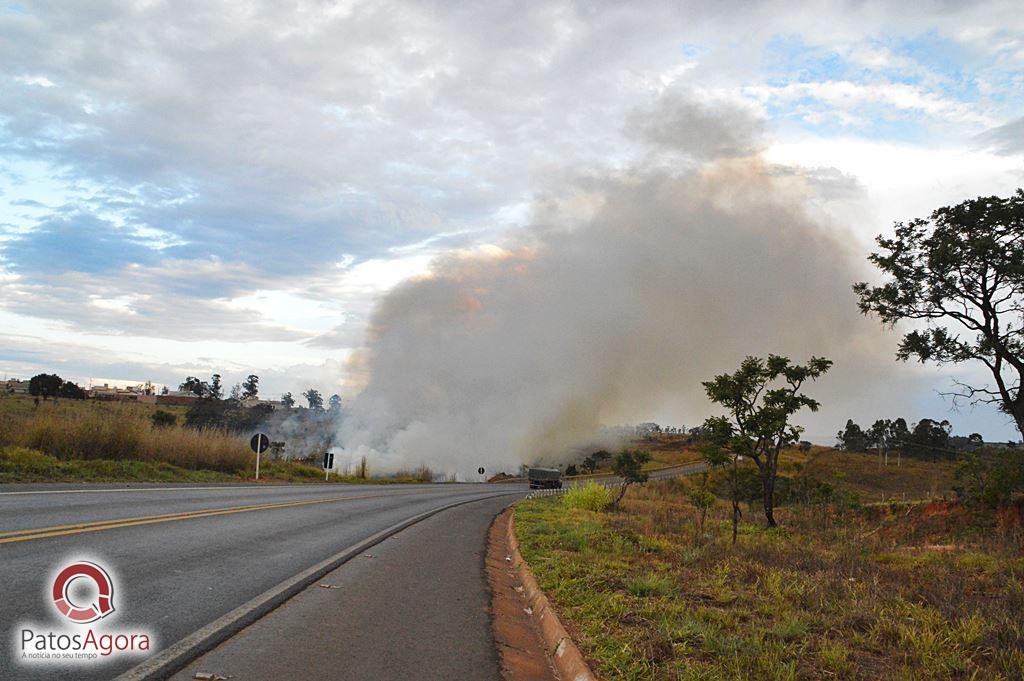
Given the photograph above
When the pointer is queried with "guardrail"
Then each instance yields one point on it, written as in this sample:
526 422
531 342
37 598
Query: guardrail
594 476
613 480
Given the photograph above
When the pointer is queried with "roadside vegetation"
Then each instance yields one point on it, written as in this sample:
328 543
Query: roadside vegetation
72 430
924 588
786 561
92 441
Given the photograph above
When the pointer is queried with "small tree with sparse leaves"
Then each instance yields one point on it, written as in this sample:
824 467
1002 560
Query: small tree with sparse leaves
761 396
628 465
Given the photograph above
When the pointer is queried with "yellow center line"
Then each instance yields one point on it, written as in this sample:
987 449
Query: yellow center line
98 525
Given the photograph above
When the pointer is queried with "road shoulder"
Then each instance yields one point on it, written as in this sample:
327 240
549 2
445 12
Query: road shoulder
414 606
521 649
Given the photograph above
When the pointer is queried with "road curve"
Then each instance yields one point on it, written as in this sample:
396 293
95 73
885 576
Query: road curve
183 556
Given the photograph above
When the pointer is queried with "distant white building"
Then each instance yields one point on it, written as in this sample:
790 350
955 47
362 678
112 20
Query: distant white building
14 386
254 401
179 397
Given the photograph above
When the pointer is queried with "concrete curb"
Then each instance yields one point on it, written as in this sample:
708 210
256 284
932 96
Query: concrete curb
178 655
567 658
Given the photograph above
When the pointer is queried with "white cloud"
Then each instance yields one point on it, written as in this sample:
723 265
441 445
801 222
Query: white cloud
271 169
846 96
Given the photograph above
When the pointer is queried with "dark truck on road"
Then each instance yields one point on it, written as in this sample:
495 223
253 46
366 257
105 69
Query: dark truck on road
545 478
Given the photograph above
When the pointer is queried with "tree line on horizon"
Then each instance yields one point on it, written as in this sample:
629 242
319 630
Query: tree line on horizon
214 410
927 438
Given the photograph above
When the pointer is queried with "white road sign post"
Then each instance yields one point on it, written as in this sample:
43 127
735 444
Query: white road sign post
259 444
328 464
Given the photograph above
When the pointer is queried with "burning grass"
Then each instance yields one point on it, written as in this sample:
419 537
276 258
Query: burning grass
896 590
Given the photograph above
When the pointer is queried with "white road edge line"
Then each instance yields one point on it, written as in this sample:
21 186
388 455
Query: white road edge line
177 656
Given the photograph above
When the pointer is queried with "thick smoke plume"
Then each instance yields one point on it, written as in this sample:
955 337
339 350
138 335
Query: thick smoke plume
629 288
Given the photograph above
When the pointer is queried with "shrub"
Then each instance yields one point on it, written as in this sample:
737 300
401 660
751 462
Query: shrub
991 480
590 497
163 419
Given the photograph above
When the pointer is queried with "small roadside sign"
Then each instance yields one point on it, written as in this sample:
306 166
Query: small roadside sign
328 464
480 470
259 444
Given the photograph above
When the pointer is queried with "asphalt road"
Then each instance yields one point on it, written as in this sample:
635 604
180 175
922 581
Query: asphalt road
416 606
182 556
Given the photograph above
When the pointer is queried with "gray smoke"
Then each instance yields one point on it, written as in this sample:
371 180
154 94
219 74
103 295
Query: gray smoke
628 289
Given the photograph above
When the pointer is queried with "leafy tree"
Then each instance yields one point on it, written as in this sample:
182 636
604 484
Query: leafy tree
930 438
287 400
628 465
885 435
216 390
571 470
194 385
720 448
703 501
314 399
248 419
251 387
207 412
335 403
236 392
760 397
163 419
594 460
71 391
852 438
960 270
226 414
989 481
45 385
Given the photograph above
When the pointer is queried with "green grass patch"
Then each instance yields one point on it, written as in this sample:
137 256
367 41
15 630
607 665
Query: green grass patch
590 497
18 464
856 594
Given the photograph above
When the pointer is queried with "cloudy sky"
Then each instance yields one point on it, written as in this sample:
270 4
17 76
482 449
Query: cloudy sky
190 187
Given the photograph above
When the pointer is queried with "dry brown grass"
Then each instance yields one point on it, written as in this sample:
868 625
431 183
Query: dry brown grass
872 481
111 431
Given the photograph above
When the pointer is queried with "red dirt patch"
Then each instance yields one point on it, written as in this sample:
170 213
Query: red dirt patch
520 647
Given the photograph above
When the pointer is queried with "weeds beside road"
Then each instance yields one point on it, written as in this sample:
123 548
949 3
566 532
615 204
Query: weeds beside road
899 590
87 441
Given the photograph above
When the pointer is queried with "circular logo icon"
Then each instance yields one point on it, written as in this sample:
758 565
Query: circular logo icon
78 612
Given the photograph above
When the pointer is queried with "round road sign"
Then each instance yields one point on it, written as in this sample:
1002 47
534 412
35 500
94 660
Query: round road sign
480 470
259 443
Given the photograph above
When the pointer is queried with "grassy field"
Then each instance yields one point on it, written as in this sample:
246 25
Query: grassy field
89 441
83 430
861 474
901 590
667 450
